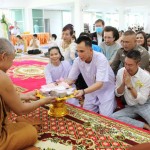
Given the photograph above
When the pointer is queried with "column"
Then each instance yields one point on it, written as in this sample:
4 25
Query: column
77 17
28 20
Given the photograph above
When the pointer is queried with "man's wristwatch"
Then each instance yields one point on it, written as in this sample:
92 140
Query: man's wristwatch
83 92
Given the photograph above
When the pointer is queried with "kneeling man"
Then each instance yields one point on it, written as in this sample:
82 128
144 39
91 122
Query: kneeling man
134 84
98 75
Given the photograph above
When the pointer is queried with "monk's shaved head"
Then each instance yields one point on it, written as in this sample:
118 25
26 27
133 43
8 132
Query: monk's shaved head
6 46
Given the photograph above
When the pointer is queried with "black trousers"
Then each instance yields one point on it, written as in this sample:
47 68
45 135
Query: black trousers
80 83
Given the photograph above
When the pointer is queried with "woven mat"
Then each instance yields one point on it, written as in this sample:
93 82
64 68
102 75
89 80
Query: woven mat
28 73
83 130
80 129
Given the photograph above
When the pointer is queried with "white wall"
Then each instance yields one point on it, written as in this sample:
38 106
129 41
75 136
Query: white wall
28 20
55 21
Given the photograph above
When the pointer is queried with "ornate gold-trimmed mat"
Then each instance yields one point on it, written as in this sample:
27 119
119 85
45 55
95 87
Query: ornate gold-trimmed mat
80 129
28 72
83 130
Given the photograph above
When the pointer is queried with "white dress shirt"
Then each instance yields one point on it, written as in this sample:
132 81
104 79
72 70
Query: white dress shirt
35 44
99 39
140 81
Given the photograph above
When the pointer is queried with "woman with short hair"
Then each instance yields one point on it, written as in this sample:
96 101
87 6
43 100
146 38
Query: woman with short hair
67 45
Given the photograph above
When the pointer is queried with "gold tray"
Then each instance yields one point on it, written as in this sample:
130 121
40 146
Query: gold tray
58 108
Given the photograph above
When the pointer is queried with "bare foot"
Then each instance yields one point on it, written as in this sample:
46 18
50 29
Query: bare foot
146 126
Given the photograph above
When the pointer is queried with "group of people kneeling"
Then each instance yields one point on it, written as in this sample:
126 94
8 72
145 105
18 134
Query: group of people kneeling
132 82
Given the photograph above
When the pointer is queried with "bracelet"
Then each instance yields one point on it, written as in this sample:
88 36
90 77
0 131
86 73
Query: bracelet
83 92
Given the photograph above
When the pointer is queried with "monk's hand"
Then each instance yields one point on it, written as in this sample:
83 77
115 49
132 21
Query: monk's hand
29 96
49 99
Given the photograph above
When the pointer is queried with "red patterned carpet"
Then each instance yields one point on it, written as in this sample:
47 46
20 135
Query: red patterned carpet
28 73
80 129
83 130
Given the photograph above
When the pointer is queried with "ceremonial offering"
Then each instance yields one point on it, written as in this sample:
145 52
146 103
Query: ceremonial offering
60 90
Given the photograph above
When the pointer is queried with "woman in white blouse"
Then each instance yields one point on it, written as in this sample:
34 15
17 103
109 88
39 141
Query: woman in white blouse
66 45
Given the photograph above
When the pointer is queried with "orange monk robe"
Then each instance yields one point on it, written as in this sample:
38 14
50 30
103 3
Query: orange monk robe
15 136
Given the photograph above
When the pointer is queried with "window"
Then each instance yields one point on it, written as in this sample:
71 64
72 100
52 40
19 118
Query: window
18 16
38 22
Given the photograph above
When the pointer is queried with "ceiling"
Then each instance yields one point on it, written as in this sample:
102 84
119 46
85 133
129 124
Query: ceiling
87 5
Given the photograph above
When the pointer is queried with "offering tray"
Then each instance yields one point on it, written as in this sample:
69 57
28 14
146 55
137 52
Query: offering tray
58 108
58 99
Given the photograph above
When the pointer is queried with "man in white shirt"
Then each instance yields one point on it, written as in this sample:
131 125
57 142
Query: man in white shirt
98 75
34 43
134 83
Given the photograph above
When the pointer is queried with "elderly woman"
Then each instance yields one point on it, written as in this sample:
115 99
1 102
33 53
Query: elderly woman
66 45
20 135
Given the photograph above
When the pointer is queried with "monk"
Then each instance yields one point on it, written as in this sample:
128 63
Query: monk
20 135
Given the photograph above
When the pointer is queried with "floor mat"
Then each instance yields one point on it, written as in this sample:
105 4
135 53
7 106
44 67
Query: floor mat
80 129
83 130
28 73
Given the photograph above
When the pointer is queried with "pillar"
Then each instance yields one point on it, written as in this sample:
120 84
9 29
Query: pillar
28 20
77 17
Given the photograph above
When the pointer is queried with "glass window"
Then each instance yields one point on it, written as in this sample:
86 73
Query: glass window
18 16
38 21
99 15
37 13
